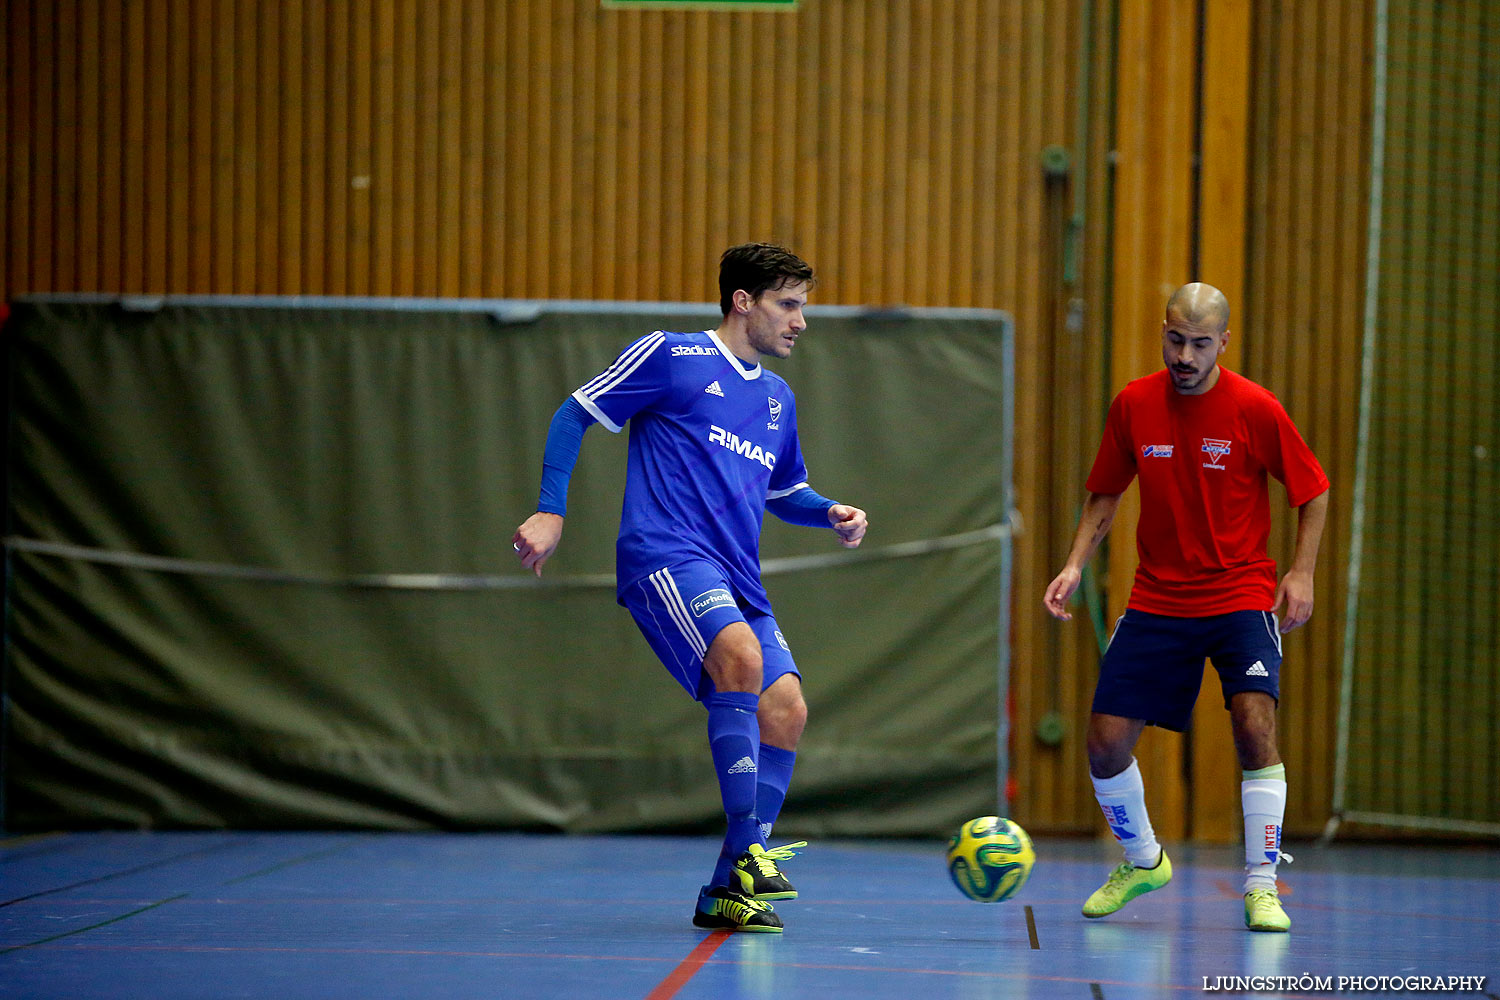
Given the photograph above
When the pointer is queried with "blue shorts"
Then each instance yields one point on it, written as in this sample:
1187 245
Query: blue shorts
681 608
1154 664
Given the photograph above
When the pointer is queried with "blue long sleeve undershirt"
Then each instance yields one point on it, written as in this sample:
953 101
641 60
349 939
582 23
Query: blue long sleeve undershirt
804 507
565 440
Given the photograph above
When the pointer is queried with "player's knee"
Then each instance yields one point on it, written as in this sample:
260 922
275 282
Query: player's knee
1110 747
797 715
1254 731
783 716
738 674
1255 744
1107 760
1253 720
735 665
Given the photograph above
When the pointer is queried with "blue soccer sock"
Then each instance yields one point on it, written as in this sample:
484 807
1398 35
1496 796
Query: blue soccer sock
770 792
733 739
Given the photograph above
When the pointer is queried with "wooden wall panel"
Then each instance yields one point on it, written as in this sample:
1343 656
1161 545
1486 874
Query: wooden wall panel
320 147
552 148
1423 657
1301 324
1061 660
1220 228
1151 253
15 38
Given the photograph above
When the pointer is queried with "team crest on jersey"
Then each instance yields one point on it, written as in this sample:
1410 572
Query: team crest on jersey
1216 449
775 423
1156 451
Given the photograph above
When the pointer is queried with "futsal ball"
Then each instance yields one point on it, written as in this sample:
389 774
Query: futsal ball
990 858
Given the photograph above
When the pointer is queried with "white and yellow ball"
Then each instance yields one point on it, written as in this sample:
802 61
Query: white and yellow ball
990 858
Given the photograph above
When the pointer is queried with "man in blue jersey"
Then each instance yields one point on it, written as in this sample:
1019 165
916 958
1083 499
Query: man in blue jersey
713 446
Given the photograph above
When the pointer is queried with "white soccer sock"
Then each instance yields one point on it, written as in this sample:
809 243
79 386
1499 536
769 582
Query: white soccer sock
1123 799
1263 799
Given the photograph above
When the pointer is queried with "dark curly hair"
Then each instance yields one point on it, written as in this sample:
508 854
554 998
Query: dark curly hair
758 268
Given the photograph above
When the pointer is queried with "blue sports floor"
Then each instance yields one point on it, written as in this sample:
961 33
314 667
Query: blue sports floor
285 916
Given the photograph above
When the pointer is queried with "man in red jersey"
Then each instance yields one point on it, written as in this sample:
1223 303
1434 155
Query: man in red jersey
1200 439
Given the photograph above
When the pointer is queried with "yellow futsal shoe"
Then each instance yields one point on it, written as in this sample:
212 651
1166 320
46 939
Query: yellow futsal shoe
721 908
1263 911
1124 884
758 876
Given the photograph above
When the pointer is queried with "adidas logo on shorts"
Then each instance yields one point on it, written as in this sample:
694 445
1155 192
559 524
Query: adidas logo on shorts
1257 669
741 766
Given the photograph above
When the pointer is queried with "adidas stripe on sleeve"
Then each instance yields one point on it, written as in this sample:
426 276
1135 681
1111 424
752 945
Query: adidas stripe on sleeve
637 378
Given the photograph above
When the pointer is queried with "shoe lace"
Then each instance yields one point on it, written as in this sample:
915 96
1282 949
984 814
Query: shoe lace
765 859
1119 875
783 852
1256 896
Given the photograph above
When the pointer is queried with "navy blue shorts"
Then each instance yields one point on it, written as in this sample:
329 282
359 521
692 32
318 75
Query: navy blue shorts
681 608
1154 664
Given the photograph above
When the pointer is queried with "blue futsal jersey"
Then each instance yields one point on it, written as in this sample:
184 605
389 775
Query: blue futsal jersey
710 443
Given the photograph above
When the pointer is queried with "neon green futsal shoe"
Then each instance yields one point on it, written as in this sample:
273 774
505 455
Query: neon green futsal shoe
758 876
1124 884
1263 911
721 908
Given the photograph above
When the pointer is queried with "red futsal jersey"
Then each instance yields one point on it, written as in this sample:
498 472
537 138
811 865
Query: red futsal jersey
1205 511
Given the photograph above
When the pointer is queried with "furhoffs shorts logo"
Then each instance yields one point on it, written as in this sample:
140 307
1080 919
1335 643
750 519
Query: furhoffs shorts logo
710 599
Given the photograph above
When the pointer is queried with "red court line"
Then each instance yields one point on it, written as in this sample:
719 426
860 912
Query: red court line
688 967
815 966
1230 892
